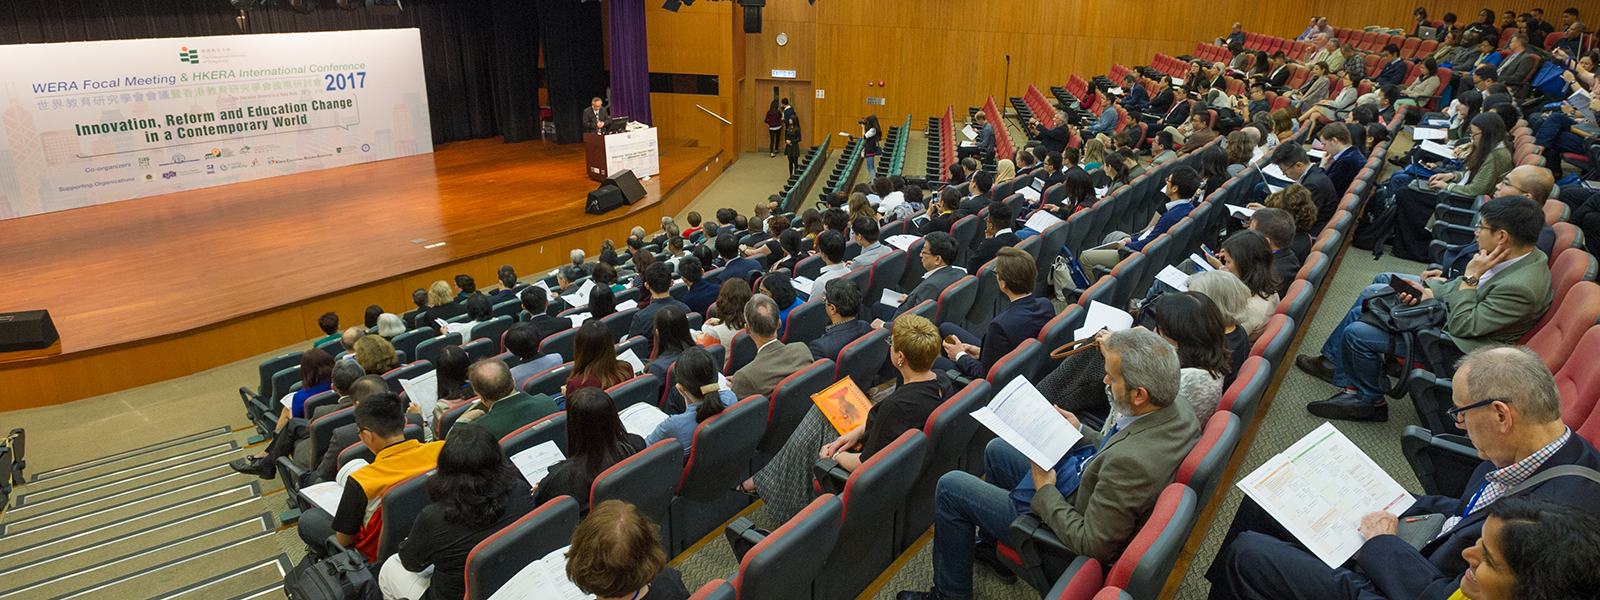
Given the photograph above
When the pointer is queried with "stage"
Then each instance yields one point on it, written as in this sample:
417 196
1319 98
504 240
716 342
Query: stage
155 288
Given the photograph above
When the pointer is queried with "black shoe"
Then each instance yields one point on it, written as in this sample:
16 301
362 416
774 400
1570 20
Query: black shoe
1399 161
1316 366
988 555
1348 406
260 467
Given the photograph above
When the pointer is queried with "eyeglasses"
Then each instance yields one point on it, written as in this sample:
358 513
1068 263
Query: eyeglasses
1455 412
1506 182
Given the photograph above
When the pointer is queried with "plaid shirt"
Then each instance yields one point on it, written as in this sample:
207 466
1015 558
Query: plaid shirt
1497 482
1356 66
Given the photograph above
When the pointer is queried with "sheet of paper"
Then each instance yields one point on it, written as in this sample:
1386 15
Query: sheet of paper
543 579
1100 192
1029 194
968 131
1117 91
1041 221
580 297
1580 101
423 390
543 286
722 382
287 401
1273 171
1022 417
803 285
1317 154
1240 211
578 319
631 304
1174 277
632 359
1177 81
641 419
968 144
892 298
1200 262
535 462
1103 316
1438 149
1320 487
325 495
902 241
1428 133
1437 122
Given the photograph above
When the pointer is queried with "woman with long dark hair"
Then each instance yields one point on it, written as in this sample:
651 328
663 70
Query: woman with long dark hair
602 302
316 377
872 141
1193 324
594 360
694 378
1247 255
1489 160
730 313
475 492
595 441
1213 169
942 213
774 122
672 338
791 147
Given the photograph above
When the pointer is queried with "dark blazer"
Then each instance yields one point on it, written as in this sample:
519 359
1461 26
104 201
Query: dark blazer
1393 72
701 296
1140 461
1177 114
1161 103
739 268
1279 77
1344 169
1019 321
1137 98
930 288
1322 194
837 337
1287 266
567 478
988 248
644 321
514 411
972 206
1405 572
550 325
591 122
1517 70
448 311
1056 139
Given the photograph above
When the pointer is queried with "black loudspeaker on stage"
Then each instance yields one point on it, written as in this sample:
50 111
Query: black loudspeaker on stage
26 330
605 199
631 190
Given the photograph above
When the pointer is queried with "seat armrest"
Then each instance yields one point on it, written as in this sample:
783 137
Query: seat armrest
1455 200
331 546
830 476
1031 539
742 535
1437 352
295 478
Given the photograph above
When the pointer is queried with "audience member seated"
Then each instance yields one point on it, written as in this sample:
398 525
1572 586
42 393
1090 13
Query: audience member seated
1277 227
734 266
605 275
501 407
616 553
595 441
508 282
537 302
658 282
1341 160
1079 193
842 301
1296 200
1182 184
941 215
349 337
1527 181
1507 402
785 483
1533 548
370 320
1162 149
346 436
1292 160
774 360
479 311
672 323
390 325
1503 292
522 341
594 360
1232 299
731 300
778 287
866 235
602 303
329 324
475 493
831 246
1193 324
1016 272
419 297
466 286
1199 133
442 306
702 292
694 376
1248 256
938 251
454 384
375 355
996 235
293 434
982 184
984 144
789 240
1110 496
765 242
380 424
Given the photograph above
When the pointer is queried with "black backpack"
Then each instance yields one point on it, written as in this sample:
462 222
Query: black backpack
1378 224
343 576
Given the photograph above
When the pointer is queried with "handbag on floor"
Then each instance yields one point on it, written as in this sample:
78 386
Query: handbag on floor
343 576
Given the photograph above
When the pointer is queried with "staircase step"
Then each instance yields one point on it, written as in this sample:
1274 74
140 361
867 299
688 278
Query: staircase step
266 575
201 463
128 556
149 502
160 569
169 452
128 535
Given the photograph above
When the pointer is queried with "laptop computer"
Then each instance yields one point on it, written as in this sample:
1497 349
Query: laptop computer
1428 33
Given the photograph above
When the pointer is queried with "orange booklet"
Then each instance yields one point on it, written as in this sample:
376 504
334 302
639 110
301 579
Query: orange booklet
844 404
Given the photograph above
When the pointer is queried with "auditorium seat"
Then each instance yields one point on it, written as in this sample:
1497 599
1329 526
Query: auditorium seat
1565 274
638 344
1023 361
619 322
560 343
407 342
1298 300
480 349
429 349
449 419
1086 583
644 389
1555 340
1203 466
783 564
791 400
912 275
1275 339
1248 387
965 230
719 458
742 351
929 310
1103 291
862 359
1059 332
956 301
400 505
647 480
498 558
1315 269
549 382
492 330
808 321
950 428
988 302
1142 569
872 495
552 428
716 589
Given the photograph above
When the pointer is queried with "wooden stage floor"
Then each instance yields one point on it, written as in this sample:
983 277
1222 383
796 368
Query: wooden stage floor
120 275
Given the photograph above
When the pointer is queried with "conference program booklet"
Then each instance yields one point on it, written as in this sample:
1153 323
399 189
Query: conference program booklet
1320 487
1022 417
641 419
534 463
423 390
844 404
543 579
326 495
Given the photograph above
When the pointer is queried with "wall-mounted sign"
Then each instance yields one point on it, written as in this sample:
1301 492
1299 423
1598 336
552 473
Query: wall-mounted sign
876 101
819 93
782 74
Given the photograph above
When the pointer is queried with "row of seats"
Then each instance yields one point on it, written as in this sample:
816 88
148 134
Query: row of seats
1040 106
844 172
1002 137
794 190
895 146
946 143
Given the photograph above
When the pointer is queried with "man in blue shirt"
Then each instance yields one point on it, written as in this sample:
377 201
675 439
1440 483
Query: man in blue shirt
985 142
1182 183
1136 99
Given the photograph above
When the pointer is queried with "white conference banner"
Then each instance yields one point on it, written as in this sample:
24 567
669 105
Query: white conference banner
89 123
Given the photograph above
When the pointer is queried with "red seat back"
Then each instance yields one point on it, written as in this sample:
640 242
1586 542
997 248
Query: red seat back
1579 385
1556 339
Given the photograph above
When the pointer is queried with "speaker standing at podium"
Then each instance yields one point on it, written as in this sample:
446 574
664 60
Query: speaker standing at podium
596 116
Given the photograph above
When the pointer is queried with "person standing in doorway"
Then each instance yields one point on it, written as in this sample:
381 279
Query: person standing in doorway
774 128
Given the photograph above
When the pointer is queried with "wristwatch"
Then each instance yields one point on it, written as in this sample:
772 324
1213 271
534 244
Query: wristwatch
1469 280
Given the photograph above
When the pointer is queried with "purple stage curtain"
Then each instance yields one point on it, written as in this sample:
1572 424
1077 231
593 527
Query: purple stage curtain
630 61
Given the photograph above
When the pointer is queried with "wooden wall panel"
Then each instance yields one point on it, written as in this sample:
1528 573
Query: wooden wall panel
698 40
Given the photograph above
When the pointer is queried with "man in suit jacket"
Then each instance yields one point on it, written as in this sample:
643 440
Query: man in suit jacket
501 407
1518 65
982 182
1503 293
1277 226
985 142
737 266
996 235
1296 165
774 360
702 294
658 282
596 116
1514 420
536 301
1136 99
842 300
1341 161
938 251
1095 498
1279 76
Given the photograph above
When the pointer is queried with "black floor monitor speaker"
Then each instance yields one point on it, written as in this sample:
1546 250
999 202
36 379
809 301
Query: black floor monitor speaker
605 199
632 191
26 330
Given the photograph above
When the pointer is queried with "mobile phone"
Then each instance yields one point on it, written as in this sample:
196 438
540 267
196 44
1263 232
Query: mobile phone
1206 250
1404 286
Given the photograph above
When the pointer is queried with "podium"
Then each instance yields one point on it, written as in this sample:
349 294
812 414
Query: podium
635 149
